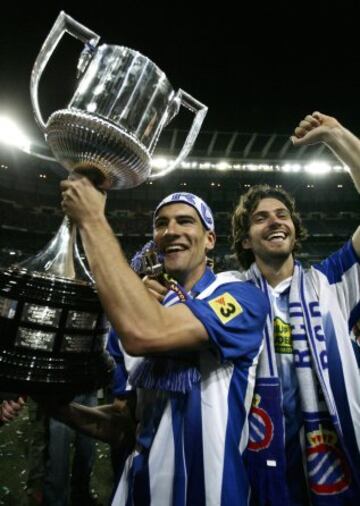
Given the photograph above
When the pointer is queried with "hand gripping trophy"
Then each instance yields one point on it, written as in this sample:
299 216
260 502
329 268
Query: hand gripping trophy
52 327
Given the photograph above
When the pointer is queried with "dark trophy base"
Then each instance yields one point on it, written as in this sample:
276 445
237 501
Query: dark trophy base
52 335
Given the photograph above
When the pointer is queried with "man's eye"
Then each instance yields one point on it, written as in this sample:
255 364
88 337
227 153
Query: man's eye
283 214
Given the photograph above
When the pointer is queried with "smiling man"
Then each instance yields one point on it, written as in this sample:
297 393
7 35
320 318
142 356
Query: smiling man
305 420
196 353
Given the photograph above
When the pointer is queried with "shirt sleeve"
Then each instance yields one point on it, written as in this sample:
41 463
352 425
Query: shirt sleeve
342 270
234 316
339 263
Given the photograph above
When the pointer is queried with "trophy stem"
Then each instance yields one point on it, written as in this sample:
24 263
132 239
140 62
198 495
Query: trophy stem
60 257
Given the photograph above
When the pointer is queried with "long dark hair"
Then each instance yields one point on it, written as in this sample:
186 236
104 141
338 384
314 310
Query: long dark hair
242 215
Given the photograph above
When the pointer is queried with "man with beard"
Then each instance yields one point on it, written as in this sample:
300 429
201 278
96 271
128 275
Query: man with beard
305 419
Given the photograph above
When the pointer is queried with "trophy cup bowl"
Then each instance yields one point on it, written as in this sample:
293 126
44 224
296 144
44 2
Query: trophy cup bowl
120 106
52 326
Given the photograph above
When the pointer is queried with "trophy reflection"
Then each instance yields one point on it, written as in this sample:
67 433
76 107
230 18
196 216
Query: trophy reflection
52 327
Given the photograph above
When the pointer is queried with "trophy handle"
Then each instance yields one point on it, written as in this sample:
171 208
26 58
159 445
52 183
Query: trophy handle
63 24
200 111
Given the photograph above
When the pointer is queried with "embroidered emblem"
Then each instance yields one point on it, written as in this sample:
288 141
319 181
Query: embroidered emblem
225 307
327 467
261 428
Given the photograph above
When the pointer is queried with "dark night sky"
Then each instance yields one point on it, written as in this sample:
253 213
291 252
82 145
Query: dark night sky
259 68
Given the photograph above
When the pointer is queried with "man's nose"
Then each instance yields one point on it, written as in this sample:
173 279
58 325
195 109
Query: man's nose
273 220
171 228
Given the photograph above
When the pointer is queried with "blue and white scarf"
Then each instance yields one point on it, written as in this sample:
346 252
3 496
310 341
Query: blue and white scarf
165 373
329 448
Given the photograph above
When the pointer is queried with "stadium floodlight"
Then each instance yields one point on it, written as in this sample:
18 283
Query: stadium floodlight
223 165
11 134
317 168
160 162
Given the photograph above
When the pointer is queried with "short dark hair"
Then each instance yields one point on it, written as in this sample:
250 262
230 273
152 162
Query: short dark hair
241 219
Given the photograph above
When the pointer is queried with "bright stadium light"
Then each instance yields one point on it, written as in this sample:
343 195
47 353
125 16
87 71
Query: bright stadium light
291 167
160 163
223 165
11 134
317 168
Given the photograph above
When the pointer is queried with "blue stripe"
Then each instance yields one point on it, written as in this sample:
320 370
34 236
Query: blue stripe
339 262
193 443
295 309
339 390
179 485
235 484
138 482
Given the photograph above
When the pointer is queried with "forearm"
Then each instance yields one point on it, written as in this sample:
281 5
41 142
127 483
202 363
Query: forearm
103 422
346 146
132 312
91 421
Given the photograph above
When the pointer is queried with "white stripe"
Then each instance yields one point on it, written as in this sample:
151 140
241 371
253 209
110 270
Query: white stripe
247 404
350 287
221 278
162 462
214 413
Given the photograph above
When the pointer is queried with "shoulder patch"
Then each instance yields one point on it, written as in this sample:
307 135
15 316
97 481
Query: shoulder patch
225 307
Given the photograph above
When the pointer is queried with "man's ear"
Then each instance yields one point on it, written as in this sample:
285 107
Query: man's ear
210 240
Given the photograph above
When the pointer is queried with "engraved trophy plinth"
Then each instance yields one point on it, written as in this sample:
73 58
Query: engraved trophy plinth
52 327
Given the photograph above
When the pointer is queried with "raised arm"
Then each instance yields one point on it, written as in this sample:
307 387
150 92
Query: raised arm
318 127
143 324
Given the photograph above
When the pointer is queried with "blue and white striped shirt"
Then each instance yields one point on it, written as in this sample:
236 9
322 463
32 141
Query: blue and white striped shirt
190 444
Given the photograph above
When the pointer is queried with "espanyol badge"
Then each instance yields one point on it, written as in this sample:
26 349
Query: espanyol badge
328 470
261 429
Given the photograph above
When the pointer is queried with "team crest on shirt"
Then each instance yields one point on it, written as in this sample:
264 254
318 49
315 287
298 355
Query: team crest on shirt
225 307
261 428
328 470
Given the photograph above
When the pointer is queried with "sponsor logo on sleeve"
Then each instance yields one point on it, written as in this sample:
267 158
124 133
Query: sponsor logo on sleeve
225 307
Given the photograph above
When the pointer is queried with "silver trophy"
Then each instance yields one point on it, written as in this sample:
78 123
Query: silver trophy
115 117
52 327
